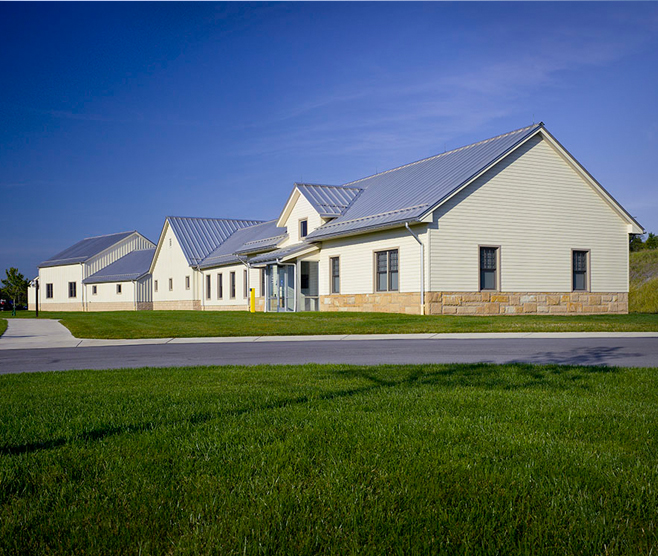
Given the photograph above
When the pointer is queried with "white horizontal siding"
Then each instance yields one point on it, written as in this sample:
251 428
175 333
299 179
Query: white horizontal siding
59 277
301 209
171 263
253 281
537 208
107 293
357 260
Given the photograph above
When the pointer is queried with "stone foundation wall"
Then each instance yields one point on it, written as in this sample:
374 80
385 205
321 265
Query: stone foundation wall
110 306
189 305
240 307
144 305
60 306
514 303
381 302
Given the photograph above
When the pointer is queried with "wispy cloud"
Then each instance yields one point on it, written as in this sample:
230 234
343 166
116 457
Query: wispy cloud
425 108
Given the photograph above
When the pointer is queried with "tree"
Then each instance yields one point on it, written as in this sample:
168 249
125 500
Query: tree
651 242
636 243
15 286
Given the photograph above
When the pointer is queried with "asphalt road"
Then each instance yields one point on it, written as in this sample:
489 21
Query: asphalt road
637 352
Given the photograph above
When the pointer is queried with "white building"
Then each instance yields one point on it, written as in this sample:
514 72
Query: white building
61 277
513 224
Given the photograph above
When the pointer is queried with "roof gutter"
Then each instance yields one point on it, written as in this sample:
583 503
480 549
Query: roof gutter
422 268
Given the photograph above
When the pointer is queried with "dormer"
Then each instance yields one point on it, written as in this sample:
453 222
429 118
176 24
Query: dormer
310 206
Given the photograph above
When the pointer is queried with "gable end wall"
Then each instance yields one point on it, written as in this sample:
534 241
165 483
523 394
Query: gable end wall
537 208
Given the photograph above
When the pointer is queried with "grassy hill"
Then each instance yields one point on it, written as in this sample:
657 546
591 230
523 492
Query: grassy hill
644 281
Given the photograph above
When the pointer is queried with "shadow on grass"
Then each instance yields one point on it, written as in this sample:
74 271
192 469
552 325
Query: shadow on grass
480 375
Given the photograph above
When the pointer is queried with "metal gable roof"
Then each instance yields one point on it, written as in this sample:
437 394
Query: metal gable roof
85 249
257 234
130 267
328 200
198 237
415 188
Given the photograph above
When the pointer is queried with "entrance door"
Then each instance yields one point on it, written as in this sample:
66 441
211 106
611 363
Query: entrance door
280 288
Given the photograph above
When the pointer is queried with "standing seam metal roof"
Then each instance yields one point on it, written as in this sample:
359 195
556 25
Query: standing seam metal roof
130 267
420 185
85 249
328 200
198 237
228 251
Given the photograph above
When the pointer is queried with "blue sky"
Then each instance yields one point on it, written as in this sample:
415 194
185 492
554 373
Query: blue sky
115 115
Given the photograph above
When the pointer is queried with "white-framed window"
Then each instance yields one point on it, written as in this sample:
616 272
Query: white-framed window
73 289
334 264
579 267
169 242
187 282
386 271
118 289
49 291
303 228
245 292
208 292
155 285
220 286
262 282
171 284
94 290
489 268
232 285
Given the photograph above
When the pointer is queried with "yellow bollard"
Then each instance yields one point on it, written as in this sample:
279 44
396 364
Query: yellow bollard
252 300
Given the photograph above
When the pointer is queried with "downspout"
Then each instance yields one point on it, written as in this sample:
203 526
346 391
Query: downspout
422 268
135 294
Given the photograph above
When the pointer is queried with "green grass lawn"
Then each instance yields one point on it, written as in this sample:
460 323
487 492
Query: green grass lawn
470 459
643 294
184 324
3 326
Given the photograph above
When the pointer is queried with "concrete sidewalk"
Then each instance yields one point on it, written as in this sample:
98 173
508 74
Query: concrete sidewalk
44 334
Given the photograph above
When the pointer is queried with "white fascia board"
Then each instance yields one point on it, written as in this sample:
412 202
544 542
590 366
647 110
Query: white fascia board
287 209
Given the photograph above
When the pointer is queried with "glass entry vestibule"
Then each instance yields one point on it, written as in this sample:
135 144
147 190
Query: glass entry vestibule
292 287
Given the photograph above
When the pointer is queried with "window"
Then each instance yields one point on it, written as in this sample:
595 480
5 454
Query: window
94 290
207 286
335 274
488 268
303 228
245 291
73 289
171 284
220 286
262 282
49 291
580 281
232 285
155 285
387 271
169 242
118 289
187 282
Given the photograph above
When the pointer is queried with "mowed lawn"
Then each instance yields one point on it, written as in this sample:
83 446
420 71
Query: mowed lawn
182 324
469 459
